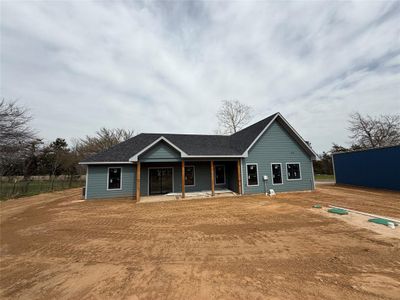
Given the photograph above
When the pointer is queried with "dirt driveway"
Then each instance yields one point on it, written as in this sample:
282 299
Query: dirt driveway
55 246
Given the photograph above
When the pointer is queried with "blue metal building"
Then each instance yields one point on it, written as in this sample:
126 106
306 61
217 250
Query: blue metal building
375 168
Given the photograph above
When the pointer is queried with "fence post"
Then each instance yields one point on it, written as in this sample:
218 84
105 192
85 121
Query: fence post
13 190
52 177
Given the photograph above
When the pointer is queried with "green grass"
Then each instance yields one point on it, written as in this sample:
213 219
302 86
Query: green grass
33 187
324 177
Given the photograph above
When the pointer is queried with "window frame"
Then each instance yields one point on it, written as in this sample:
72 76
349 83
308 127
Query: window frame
194 176
108 179
287 173
215 175
247 175
148 177
272 173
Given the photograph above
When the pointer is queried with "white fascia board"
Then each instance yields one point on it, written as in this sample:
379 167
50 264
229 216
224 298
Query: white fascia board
298 135
136 156
105 162
210 156
246 153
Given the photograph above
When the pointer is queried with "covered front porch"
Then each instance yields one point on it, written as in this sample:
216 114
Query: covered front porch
187 179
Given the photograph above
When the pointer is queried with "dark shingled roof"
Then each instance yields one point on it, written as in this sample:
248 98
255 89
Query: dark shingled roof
191 144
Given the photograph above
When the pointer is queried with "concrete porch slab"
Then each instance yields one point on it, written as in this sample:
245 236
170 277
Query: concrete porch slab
188 196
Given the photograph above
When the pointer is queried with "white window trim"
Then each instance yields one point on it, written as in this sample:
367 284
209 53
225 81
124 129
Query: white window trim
148 178
272 173
194 175
215 171
108 179
287 173
247 175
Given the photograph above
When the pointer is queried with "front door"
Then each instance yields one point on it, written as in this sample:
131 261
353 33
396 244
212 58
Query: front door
160 181
219 174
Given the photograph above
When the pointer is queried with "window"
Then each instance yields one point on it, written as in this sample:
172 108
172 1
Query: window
276 173
189 176
252 174
114 179
293 171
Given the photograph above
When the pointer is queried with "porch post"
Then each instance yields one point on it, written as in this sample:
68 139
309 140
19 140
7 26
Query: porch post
183 179
239 177
138 181
212 179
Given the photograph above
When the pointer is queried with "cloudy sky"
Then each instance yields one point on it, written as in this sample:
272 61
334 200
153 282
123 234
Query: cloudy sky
165 66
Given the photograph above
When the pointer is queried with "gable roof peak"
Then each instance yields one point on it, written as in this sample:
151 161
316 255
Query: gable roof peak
262 121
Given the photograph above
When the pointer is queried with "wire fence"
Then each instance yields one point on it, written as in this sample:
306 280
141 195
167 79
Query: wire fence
16 187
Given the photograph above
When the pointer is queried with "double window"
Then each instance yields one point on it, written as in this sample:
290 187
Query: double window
189 176
252 174
276 173
293 171
114 181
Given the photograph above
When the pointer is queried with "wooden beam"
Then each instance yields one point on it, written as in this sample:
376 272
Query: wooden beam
183 179
239 177
212 178
138 181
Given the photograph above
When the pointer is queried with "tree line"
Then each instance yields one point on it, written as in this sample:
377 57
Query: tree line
23 153
365 132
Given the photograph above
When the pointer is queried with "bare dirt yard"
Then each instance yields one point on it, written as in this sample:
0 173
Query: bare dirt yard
250 247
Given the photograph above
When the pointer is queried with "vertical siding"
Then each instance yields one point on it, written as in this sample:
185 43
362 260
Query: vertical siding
97 181
376 168
277 146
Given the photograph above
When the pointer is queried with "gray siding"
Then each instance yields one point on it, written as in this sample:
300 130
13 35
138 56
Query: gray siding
277 146
97 181
161 152
202 176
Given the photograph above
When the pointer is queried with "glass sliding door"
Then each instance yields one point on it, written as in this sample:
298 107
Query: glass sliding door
160 181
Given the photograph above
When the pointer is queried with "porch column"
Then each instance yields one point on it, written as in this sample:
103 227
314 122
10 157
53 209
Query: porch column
183 179
138 181
212 179
239 177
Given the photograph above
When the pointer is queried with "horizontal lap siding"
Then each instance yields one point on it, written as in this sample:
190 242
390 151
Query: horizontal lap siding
97 181
202 176
161 152
277 146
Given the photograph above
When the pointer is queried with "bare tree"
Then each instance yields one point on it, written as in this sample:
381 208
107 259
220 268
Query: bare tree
15 134
103 140
371 132
233 116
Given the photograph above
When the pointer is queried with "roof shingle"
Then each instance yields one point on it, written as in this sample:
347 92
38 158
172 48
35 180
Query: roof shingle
191 144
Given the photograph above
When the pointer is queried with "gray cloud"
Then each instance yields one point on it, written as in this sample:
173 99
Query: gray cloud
164 66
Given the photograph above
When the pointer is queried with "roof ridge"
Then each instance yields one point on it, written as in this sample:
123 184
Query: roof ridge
191 134
256 123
